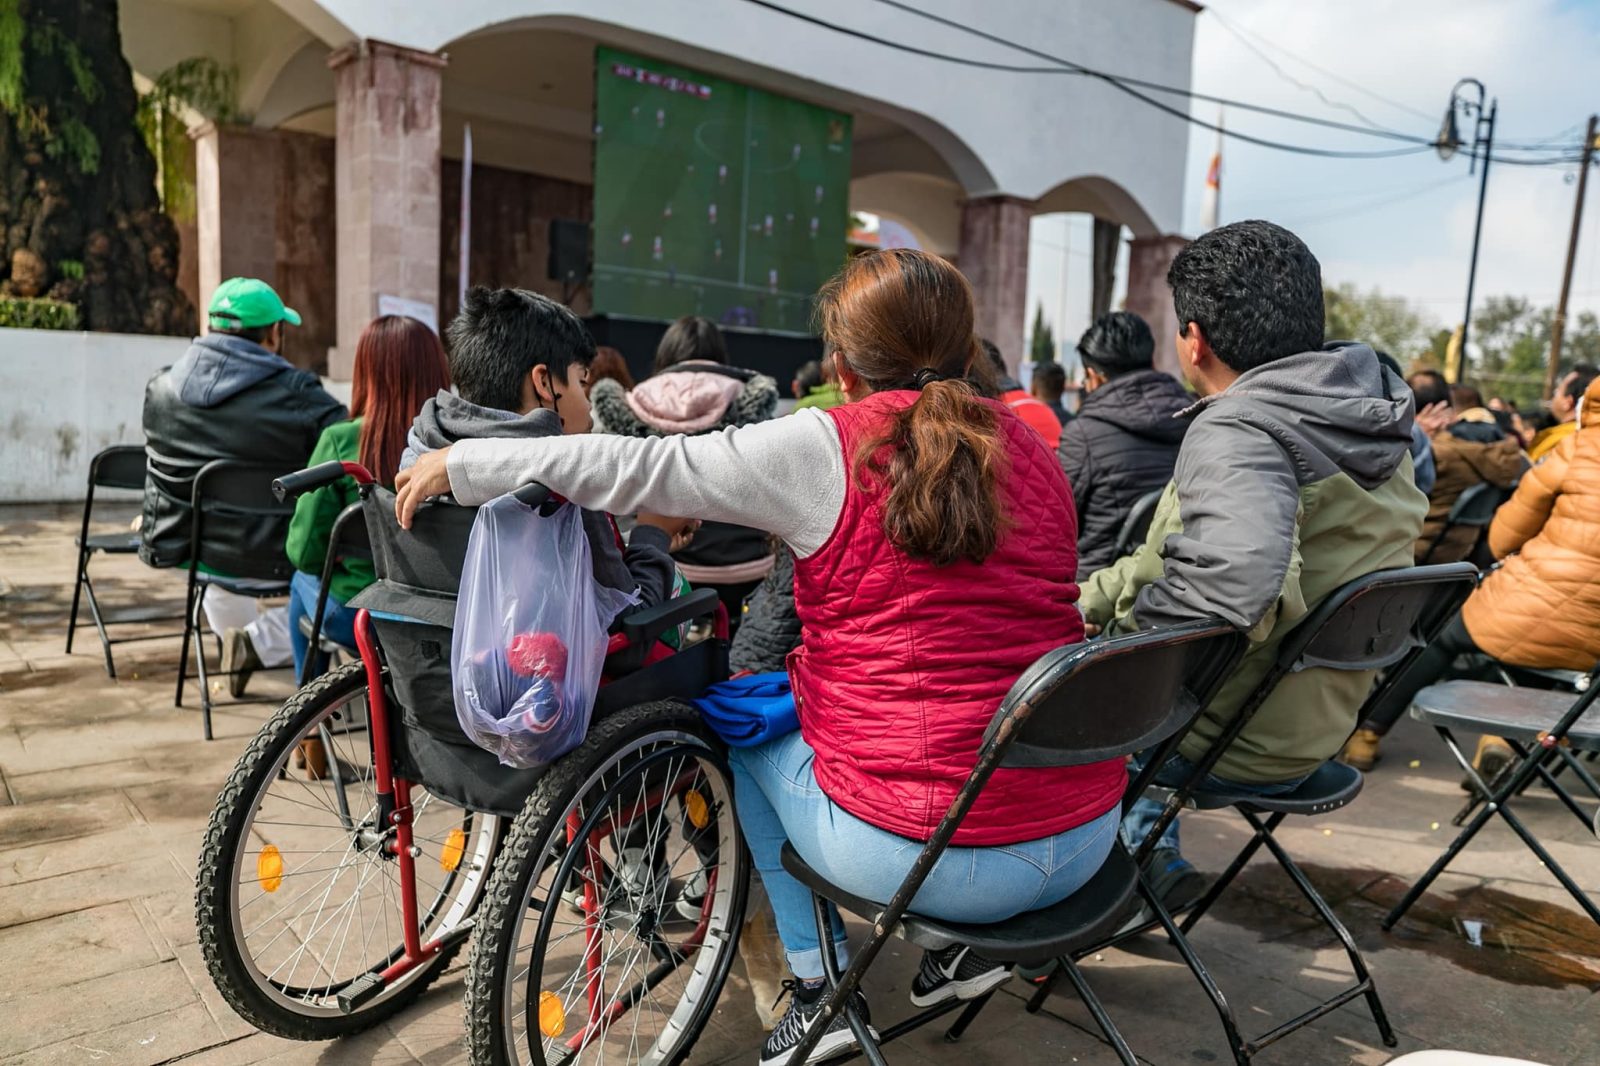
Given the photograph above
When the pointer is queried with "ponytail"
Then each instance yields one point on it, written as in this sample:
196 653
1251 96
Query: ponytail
941 461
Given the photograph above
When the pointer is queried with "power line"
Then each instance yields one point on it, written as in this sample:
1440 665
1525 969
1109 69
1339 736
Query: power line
1418 145
1123 82
1377 204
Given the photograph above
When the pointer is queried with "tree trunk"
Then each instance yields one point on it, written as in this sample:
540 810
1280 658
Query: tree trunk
67 198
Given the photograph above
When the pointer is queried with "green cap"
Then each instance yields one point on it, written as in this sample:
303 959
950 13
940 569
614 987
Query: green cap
248 303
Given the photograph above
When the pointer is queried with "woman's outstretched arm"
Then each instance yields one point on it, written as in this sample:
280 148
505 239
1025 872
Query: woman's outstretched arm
786 476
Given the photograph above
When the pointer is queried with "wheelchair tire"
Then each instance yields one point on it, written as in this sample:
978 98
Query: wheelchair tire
647 911
275 814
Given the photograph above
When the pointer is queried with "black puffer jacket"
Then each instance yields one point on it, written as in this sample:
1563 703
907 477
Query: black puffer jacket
1122 445
771 628
226 398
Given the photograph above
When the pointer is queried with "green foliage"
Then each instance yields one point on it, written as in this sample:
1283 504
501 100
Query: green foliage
17 312
71 269
203 85
1513 341
60 123
12 31
1388 323
1042 348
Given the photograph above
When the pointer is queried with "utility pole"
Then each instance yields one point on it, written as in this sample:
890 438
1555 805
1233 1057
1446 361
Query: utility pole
1558 328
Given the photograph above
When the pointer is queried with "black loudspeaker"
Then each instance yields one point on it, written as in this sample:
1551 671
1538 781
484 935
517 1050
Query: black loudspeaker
569 250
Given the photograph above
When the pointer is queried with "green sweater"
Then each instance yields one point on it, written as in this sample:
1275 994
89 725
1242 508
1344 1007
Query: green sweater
316 511
825 397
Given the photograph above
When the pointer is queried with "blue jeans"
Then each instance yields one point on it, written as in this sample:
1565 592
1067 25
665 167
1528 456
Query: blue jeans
778 800
338 621
1145 812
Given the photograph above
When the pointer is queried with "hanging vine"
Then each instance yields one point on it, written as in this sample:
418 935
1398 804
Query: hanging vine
200 84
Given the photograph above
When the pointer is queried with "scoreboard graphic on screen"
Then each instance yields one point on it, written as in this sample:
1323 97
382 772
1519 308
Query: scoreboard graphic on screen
713 198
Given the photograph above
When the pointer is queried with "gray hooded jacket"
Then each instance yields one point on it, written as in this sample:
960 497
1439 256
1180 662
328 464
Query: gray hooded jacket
643 565
1292 482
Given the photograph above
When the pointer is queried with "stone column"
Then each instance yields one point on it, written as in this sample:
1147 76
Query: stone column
1150 298
994 257
236 206
386 182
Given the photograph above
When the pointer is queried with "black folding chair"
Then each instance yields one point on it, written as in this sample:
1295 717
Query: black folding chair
120 466
1055 715
243 492
348 539
1544 728
1137 525
1380 620
1473 509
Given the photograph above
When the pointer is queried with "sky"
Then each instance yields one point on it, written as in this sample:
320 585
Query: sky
1401 225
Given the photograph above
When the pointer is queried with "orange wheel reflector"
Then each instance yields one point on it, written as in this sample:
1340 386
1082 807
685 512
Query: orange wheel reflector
455 845
695 806
552 1015
269 869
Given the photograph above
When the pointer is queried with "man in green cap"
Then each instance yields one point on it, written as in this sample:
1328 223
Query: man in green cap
232 396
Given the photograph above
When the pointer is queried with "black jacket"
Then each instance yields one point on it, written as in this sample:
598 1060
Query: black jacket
771 628
226 398
1122 445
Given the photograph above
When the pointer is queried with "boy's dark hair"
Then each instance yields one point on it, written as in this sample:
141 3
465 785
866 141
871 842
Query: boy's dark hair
500 335
996 360
1429 387
1052 377
1118 343
1583 376
1465 397
1255 290
691 337
808 377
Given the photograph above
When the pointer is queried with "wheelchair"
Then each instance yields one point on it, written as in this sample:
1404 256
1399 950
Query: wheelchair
603 893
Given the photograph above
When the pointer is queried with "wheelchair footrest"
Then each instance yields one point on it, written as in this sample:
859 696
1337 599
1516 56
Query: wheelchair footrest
363 990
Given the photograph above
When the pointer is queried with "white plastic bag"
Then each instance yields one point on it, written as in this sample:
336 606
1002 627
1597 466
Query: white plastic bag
530 635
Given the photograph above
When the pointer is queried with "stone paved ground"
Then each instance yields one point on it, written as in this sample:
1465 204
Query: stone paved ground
105 786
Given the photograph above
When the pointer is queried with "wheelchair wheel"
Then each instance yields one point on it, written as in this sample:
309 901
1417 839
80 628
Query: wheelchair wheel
298 897
613 914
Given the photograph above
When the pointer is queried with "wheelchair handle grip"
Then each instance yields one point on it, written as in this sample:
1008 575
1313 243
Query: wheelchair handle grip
532 494
303 481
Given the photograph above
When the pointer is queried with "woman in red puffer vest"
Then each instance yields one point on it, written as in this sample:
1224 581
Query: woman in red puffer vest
935 561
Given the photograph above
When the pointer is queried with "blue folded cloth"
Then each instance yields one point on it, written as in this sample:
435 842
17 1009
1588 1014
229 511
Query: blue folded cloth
751 710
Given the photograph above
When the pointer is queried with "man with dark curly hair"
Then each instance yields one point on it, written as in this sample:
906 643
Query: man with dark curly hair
1294 478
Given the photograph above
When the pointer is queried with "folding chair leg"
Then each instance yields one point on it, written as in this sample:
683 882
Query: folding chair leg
959 1028
1219 1002
99 623
838 998
1308 890
200 666
1098 1013
72 619
1036 1001
183 653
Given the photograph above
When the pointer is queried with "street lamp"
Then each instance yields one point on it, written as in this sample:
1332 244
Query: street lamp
1482 141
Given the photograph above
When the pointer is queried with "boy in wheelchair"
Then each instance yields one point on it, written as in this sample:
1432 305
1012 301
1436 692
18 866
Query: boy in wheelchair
520 362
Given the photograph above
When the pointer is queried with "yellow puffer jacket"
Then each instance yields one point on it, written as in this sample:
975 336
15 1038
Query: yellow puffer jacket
1542 607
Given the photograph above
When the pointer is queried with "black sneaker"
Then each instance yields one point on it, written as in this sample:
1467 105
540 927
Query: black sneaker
805 1004
1174 880
955 973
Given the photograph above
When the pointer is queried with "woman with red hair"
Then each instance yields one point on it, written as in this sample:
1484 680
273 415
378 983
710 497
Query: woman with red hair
399 365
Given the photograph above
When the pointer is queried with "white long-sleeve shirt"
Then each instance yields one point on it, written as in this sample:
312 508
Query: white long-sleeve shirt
786 476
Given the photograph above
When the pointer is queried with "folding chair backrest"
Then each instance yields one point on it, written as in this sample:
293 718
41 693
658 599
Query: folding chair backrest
1137 525
1111 698
239 494
349 538
1475 507
121 466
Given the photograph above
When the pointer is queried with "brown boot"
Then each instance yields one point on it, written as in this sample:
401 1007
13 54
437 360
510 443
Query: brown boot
1492 758
316 759
1361 750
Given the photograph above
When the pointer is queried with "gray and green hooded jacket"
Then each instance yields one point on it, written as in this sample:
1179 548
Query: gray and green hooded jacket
1290 483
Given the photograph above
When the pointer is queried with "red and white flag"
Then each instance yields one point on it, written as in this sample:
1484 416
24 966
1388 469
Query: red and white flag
1212 202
